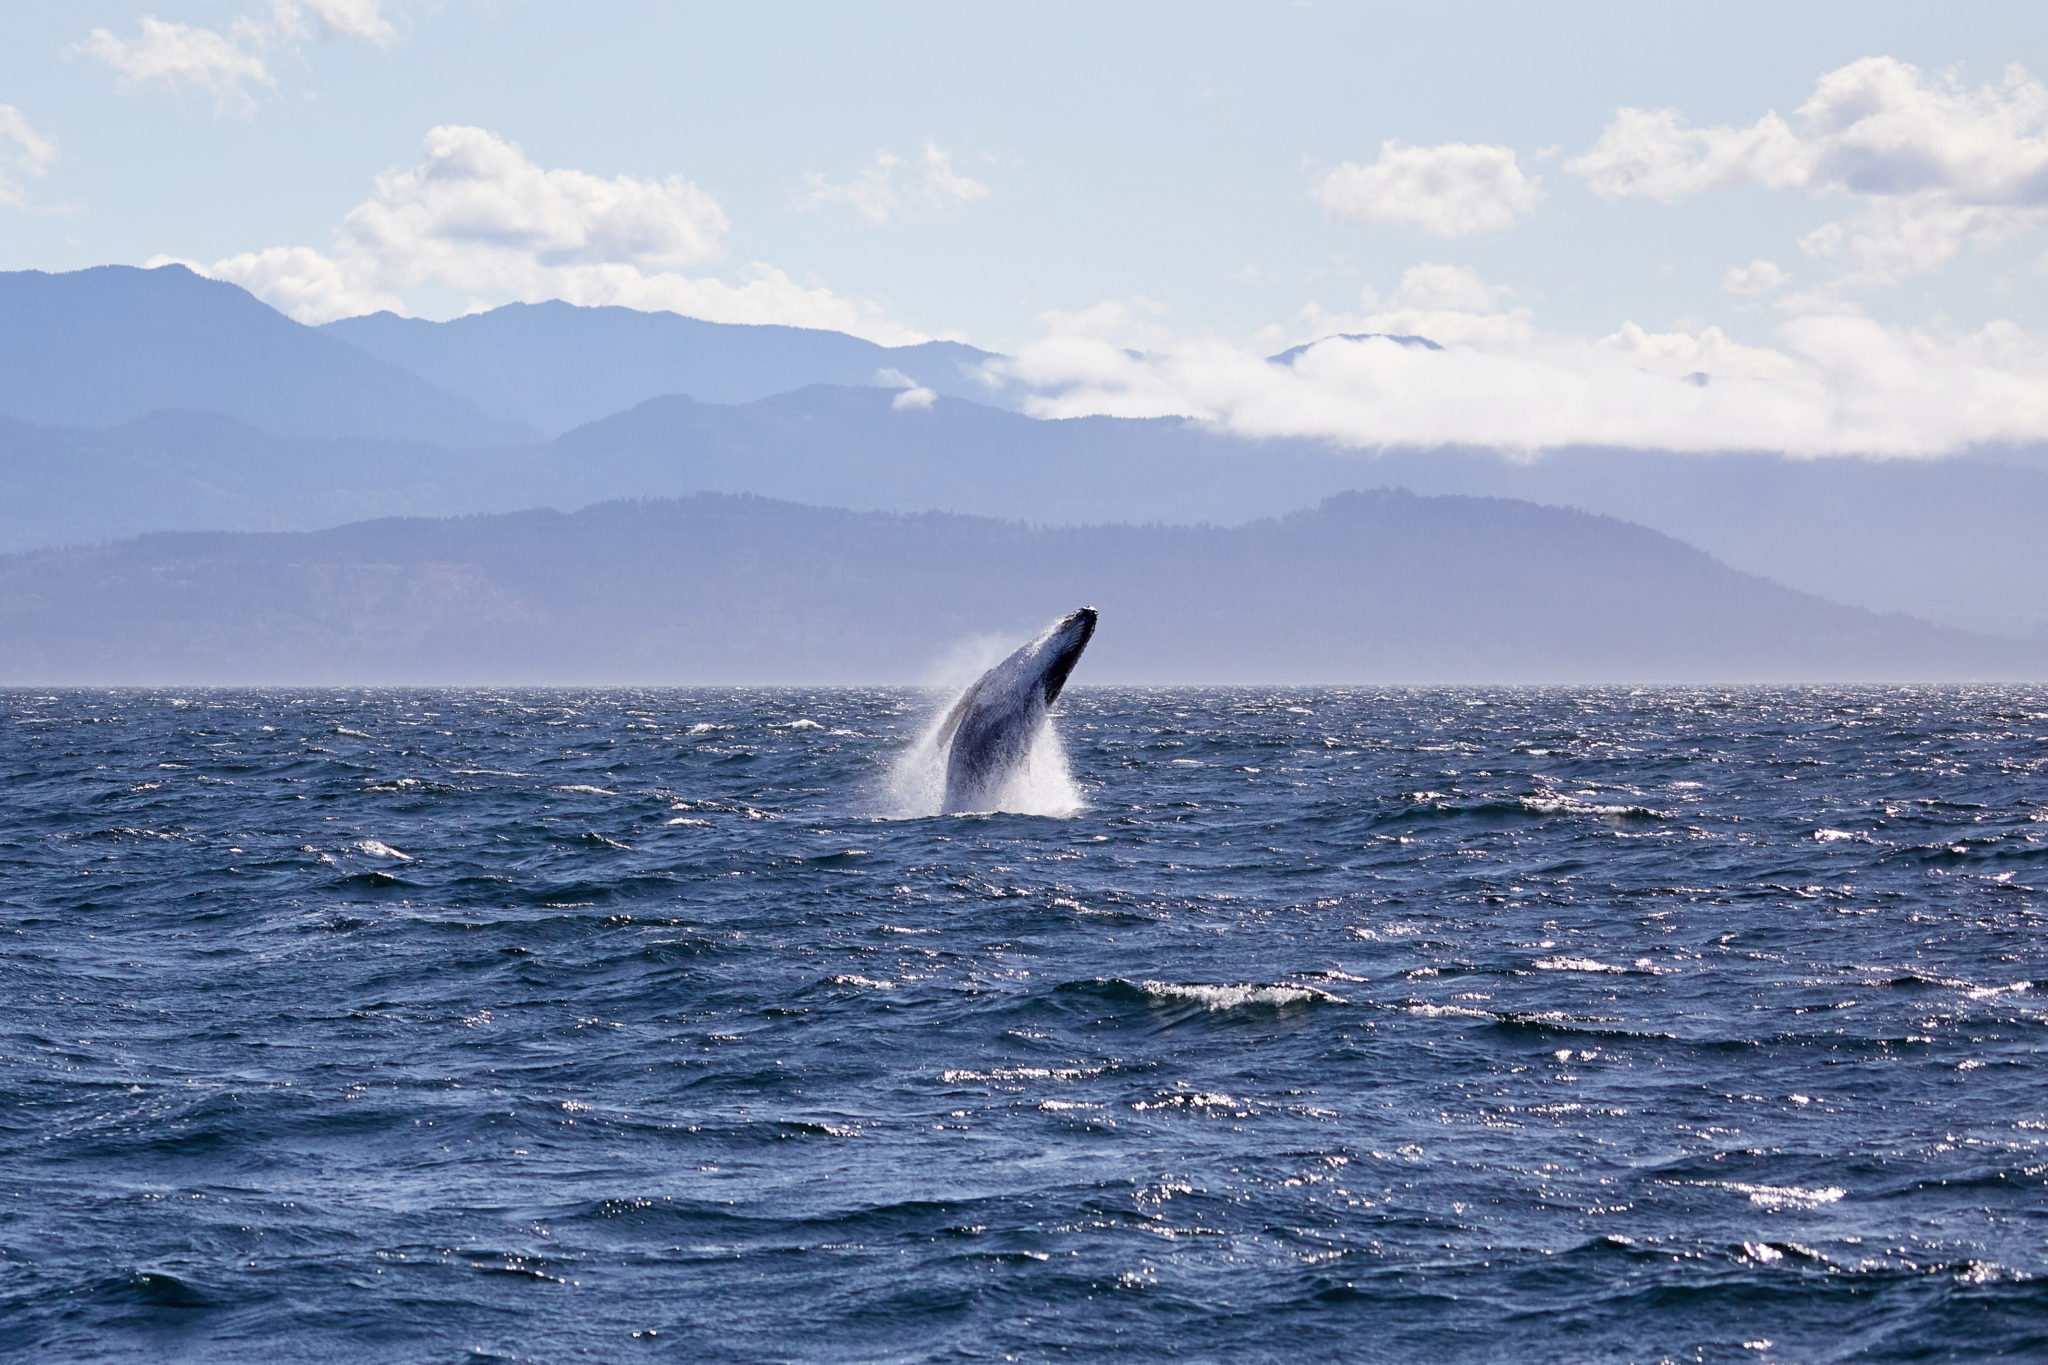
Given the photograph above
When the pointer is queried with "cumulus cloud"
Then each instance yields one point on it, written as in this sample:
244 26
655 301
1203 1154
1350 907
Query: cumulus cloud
1933 162
1757 278
1451 190
173 57
167 56
1653 153
891 189
23 152
475 216
1832 384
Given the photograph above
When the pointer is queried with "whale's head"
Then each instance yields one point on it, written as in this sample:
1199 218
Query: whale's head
1061 647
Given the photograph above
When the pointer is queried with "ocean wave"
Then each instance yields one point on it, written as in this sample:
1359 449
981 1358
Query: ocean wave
1012 1074
642 1069
1238 997
1779 1196
1560 804
1577 964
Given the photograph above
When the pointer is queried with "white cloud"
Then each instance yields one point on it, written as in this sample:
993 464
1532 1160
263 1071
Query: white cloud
352 19
1444 288
23 152
1933 162
171 57
1130 323
1653 153
1451 190
1831 384
1446 303
475 216
891 189
1757 278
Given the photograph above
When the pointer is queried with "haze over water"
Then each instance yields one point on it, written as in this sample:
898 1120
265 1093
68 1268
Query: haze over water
1390 1025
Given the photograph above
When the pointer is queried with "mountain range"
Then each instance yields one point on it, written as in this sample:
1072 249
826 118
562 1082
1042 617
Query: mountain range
95 348
1387 586
137 401
554 366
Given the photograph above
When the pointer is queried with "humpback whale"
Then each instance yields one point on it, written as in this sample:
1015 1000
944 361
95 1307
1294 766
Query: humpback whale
991 729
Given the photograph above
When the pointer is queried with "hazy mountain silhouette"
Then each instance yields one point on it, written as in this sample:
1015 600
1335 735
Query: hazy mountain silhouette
554 366
854 448
202 471
1952 540
1382 586
1955 540
834 446
95 348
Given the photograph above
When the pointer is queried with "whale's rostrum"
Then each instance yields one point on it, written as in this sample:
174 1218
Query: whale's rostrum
988 734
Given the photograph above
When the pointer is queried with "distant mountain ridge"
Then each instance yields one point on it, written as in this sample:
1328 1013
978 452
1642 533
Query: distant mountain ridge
1955 541
1380 587
134 400
555 366
95 348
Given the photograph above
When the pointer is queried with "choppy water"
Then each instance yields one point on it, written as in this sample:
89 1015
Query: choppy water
1517 1025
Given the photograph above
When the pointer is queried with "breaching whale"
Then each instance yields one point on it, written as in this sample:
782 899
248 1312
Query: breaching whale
991 729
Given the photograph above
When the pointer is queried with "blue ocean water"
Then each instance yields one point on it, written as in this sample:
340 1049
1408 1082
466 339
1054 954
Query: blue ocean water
1529 1025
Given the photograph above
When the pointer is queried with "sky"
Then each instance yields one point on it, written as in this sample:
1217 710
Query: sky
1819 228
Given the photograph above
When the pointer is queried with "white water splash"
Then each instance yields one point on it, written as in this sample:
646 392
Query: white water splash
1041 785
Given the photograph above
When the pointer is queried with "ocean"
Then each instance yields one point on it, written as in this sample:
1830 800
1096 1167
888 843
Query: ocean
1383 1025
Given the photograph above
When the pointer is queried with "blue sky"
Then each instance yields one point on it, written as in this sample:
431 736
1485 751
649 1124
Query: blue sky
1200 181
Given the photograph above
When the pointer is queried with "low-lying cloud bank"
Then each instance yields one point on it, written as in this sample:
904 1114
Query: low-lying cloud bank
1836 383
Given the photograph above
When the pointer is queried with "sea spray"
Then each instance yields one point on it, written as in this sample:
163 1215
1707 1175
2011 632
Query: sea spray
1042 785
993 746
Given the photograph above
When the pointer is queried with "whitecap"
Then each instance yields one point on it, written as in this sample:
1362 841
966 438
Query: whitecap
1023 1073
1237 997
1574 805
377 848
1576 964
1449 1012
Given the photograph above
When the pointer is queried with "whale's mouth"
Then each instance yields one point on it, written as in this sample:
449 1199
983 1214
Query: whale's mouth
1069 638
